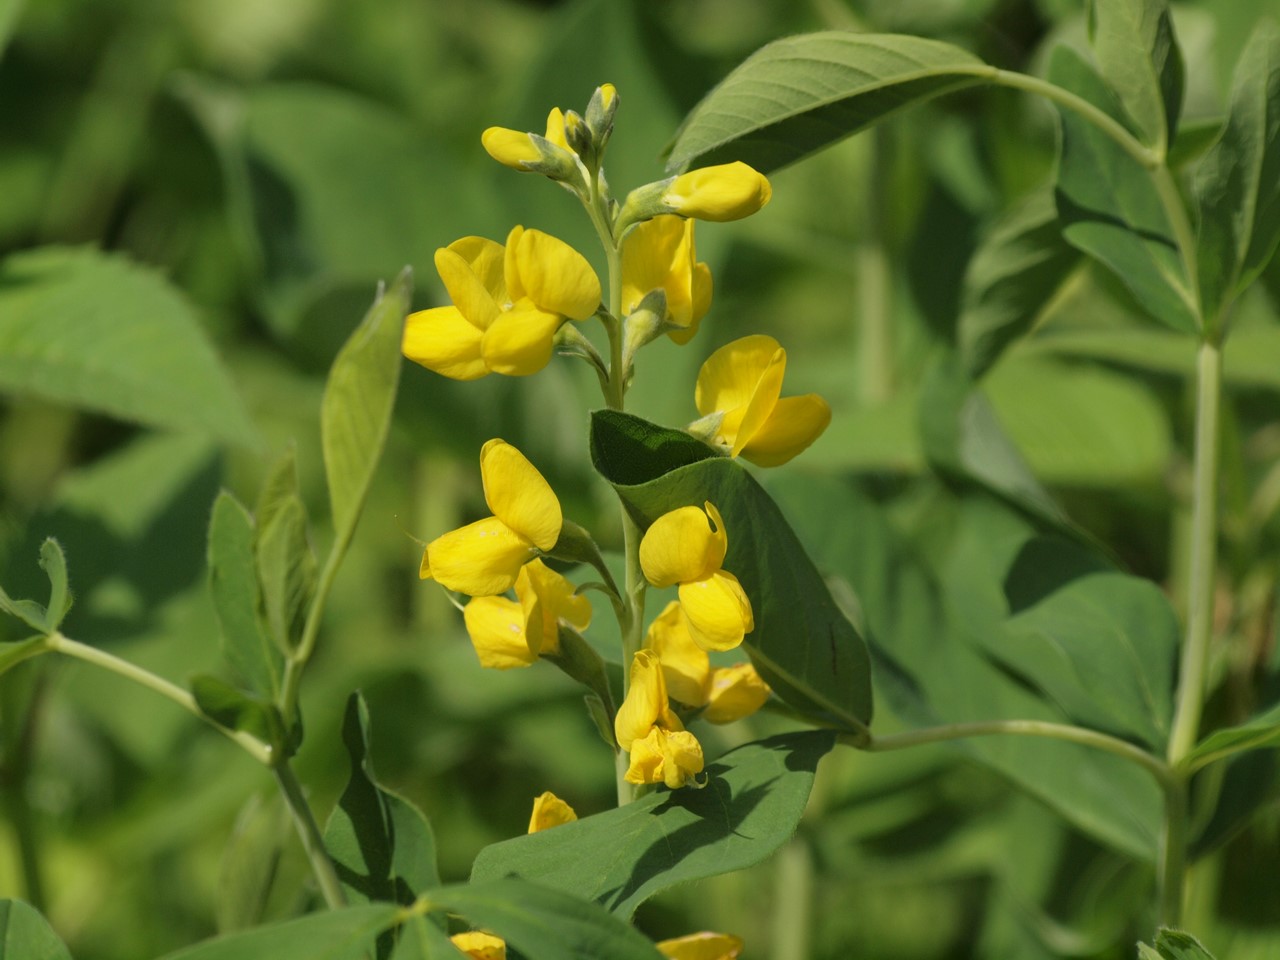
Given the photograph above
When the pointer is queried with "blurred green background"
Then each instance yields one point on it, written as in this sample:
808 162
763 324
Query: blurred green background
199 197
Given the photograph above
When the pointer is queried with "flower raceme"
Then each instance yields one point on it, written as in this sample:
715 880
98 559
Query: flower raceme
687 547
514 633
659 254
508 303
485 558
739 396
662 751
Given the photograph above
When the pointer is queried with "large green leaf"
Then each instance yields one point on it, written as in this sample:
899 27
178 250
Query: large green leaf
237 598
1139 57
25 935
621 857
1238 183
1261 731
94 330
1109 204
806 649
796 95
343 934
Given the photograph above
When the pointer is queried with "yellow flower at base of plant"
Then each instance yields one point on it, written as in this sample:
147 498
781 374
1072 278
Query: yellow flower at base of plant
659 254
508 303
514 633
741 383
550 811
485 558
661 750
702 946
480 946
687 547
519 151
729 191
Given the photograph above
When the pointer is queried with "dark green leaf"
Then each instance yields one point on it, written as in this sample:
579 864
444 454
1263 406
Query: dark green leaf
621 857
1262 731
803 646
237 597
25 935
1139 57
237 710
343 934
797 95
286 565
1177 945
420 939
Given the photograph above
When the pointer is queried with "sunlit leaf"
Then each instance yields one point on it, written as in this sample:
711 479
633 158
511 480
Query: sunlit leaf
343 934
1139 57
25 935
237 597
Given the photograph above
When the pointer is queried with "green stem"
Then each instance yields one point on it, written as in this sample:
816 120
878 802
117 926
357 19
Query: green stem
14 772
1172 868
312 840
871 265
301 655
793 901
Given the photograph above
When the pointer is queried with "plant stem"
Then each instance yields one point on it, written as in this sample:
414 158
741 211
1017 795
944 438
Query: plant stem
793 901
871 266
300 656
312 840
14 771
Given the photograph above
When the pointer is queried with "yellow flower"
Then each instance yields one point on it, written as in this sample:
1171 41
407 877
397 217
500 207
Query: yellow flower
662 751
485 558
687 547
729 191
480 946
659 254
550 811
508 303
514 633
726 693
521 151
741 385
702 946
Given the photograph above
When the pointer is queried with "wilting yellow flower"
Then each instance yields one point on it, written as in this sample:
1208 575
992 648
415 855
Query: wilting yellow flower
550 811
659 254
729 191
485 558
480 946
662 751
520 151
741 384
702 946
514 633
687 547
727 693
508 303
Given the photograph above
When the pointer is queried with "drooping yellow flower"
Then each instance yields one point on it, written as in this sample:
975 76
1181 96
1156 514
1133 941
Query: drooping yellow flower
726 693
662 751
514 633
702 946
480 946
741 383
729 191
550 811
687 547
521 151
659 254
508 303
485 558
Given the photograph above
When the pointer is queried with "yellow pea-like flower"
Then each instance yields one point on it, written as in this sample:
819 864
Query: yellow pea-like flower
514 633
480 946
741 384
687 547
729 191
520 151
661 750
702 946
550 811
659 254
508 303
665 756
485 558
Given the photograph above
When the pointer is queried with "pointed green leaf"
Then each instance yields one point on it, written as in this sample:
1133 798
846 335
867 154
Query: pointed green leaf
804 647
358 399
1178 945
237 710
25 935
1139 57
1238 183
12 654
286 565
343 934
797 95
1261 731
237 598
619 858
54 563
28 611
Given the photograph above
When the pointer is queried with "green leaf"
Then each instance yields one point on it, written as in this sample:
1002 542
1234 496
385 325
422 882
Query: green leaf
237 598
1176 945
619 858
544 924
381 845
29 612
797 95
1238 183
1261 731
420 939
237 710
358 399
1110 207
286 565
54 563
96 331
25 935
251 862
1139 57
343 934
12 654
804 647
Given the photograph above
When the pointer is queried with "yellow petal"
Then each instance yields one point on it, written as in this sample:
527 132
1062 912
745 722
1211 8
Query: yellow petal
657 255
665 757
558 602
732 375
555 128
702 946
518 495
511 148
519 342
480 946
717 611
735 692
645 703
480 559
442 340
794 424
550 811
729 191
485 259
473 299
556 277
511 267
496 626
685 666
681 546
646 761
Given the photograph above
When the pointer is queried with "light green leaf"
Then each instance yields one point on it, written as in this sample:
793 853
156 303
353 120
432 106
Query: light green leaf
25 935
1139 57
96 331
1261 731
1176 945
54 563
10 10
621 857
343 934
237 597
804 647
286 565
251 862
420 939
358 399
797 95
1238 183
12 654
29 612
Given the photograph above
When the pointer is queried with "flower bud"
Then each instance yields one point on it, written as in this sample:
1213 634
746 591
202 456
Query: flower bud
600 112
550 155
729 191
